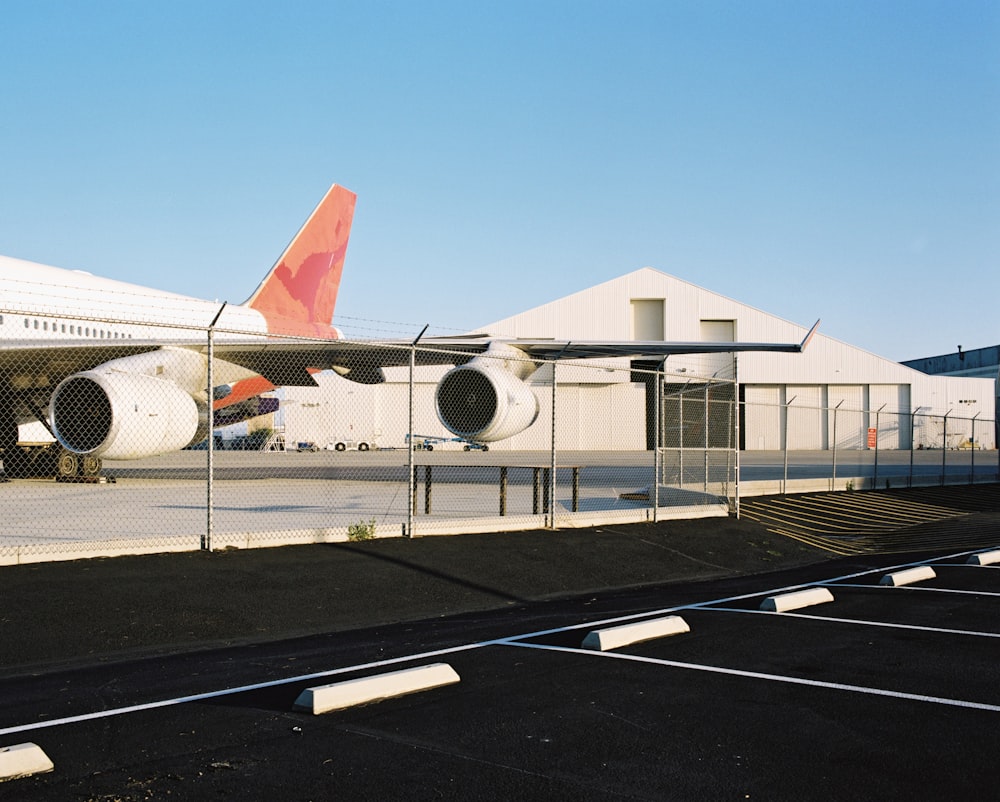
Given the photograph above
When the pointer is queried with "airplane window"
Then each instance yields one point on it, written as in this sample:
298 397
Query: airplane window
36 323
26 322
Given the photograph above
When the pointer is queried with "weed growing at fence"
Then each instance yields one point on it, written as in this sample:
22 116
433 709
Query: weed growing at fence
362 530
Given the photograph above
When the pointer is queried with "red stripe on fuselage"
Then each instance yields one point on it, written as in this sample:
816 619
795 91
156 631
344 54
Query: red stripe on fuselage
244 389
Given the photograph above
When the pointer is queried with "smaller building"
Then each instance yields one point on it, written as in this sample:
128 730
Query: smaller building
979 363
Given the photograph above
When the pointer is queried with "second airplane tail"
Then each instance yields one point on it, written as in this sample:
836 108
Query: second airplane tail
298 296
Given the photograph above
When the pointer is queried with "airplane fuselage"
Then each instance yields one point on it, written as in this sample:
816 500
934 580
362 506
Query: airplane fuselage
40 302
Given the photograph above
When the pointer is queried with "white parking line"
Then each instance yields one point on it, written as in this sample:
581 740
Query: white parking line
837 686
861 621
729 599
914 587
200 697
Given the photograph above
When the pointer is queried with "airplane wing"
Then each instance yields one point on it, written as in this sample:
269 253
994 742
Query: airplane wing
49 362
132 398
289 363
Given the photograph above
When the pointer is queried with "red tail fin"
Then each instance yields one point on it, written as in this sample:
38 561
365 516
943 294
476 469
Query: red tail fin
300 292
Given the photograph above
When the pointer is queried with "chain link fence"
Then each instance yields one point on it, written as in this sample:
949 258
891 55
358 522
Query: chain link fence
857 449
193 438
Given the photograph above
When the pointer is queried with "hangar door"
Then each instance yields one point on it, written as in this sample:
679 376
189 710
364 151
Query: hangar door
718 365
807 417
847 415
775 414
806 412
763 423
893 422
647 319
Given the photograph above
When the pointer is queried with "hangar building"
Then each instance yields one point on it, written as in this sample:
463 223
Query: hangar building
788 399
984 362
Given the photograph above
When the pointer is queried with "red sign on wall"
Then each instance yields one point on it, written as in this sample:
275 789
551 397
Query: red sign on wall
872 437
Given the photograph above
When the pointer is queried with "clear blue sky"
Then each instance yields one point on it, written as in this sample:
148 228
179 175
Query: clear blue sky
811 158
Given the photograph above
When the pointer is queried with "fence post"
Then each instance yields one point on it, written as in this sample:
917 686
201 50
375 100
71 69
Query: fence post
657 422
411 479
707 385
944 448
972 469
875 474
913 445
206 541
680 437
784 479
735 428
410 482
551 512
833 482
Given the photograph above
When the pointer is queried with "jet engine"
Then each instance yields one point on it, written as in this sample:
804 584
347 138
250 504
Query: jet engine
119 415
484 401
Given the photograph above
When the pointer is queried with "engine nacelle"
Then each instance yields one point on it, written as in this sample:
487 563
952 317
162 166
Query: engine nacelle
119 415
484 402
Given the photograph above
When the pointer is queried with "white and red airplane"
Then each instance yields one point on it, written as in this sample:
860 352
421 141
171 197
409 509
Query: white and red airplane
120 371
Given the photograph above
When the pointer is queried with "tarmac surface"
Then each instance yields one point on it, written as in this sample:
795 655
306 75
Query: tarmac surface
223 635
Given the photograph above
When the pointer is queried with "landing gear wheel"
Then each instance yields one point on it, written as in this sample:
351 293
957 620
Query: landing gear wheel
91 466
362 446
340 447
69 464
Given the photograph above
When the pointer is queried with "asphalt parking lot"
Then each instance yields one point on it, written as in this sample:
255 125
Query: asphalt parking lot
175 676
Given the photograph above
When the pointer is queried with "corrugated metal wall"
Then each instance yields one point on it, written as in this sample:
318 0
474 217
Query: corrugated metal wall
807 418
764 417
893 428
847 421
